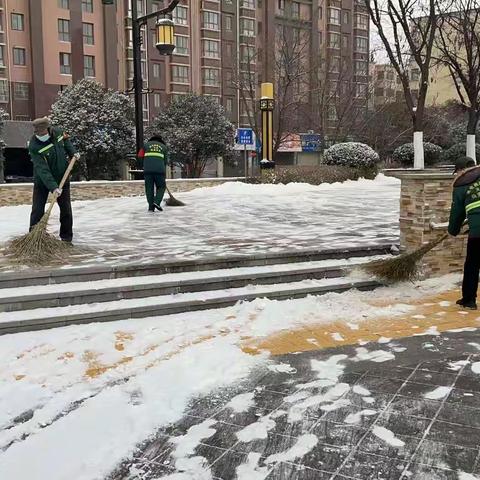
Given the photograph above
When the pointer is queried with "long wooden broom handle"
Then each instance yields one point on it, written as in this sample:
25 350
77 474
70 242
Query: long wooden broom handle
67 173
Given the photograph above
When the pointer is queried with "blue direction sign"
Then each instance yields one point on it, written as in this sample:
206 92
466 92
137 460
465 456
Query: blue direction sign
245 136
311 142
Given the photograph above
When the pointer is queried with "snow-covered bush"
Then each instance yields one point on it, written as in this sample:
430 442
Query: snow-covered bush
450 156
351 154
405 154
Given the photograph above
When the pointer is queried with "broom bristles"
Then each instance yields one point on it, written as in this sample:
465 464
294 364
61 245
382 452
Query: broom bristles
173 202
37 247
403 268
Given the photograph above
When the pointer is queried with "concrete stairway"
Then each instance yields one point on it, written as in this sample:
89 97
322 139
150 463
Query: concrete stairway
83 295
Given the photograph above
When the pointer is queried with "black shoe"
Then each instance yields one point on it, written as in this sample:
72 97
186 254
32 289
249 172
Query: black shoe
158 207
470 305
461 302
66 240
151 209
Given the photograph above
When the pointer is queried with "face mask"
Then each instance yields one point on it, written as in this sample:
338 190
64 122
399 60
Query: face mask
43 138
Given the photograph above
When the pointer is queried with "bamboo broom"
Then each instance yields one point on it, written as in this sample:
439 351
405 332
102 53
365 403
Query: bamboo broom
172 201
38 247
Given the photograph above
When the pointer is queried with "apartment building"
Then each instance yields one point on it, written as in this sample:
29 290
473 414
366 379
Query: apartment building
46 45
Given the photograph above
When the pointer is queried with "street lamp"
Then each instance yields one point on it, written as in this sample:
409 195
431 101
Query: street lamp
165 45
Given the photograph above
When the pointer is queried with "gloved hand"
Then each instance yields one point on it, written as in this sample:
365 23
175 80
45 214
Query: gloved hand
77 157
57 192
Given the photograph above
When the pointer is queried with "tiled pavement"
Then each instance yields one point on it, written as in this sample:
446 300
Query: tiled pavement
441 436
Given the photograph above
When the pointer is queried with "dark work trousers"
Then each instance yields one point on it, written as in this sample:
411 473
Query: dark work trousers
471 270
155 186
40 197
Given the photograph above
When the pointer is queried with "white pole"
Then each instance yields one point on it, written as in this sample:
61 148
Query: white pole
419 155
471 152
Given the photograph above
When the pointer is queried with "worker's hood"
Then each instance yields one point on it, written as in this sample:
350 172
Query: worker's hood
467 177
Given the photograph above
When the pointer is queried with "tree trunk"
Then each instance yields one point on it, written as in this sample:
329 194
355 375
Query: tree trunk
471 134
2 168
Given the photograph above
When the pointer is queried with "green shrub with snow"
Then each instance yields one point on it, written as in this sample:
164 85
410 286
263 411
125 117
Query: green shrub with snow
451 155
351 154
405 154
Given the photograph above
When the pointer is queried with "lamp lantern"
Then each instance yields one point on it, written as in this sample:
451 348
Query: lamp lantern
165 36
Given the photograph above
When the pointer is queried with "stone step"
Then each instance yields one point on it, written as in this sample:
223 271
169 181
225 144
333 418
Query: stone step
43 318
77 293
26 278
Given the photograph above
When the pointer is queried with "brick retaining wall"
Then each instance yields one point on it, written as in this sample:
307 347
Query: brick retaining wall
424 205
21 193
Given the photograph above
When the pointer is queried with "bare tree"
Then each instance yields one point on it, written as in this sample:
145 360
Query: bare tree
407 29
458 44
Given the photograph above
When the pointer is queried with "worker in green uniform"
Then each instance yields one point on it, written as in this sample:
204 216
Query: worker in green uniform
155 161
51 151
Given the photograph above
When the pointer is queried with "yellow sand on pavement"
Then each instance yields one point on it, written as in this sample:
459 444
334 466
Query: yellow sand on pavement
439 311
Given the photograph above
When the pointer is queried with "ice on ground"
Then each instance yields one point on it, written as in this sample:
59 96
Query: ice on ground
257 430
438 393
476 367
377 356
282 368
186 444
251 469
355 418
242 403
304 444
359 390
387 436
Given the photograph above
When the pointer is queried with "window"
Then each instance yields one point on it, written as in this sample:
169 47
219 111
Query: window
334 16
156 100
211 77
155 7
360 67
335 65
228 23
3 91
334 40
415 75
281 5
295 10
248 4
180 15
88 66
344 41
63 30
181 45
332 113
247 27
156 70
179 74
361 21
247 53
19 56
211 49
361 44
64 4
2 56
211 20
229 105
65 64
361 90
87 6
88 35
346 18
21 91
18 21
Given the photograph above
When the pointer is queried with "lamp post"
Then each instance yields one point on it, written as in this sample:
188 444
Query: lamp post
165 43
267 105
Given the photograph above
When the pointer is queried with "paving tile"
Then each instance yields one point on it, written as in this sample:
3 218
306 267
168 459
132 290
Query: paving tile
441 366
397 372
285 471
342 436
323 457
443 379
376 446
372 467
423 472
450 434
460 414
381 384
414 407
434 454
225 467
400 424
469 383
416 390
464 398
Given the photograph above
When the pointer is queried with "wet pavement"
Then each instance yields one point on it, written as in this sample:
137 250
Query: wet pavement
407 409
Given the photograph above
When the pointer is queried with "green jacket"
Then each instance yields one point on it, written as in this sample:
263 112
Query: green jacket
50 159
155 157
466 203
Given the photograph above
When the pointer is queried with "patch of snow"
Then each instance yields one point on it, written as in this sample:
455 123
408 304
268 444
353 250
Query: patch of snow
353 326
456 366
388 437
355 418
368 400
476 367
460 330
186 444
438 393
445 304
384 340
432 331
242 403
305 443
377 356
336 405
359 390
337 337
251 470
467 476
282 368
256 430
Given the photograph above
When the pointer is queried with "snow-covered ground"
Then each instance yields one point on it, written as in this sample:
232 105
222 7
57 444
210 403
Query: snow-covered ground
96 391
233 218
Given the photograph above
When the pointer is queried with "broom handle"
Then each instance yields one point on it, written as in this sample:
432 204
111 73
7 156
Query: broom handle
62 183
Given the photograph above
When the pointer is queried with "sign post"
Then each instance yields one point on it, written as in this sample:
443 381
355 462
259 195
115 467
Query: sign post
245 138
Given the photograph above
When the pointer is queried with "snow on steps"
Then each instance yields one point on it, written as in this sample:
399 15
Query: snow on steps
76 293
41 318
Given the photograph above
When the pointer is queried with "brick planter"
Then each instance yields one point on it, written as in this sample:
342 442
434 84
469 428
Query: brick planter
425 202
